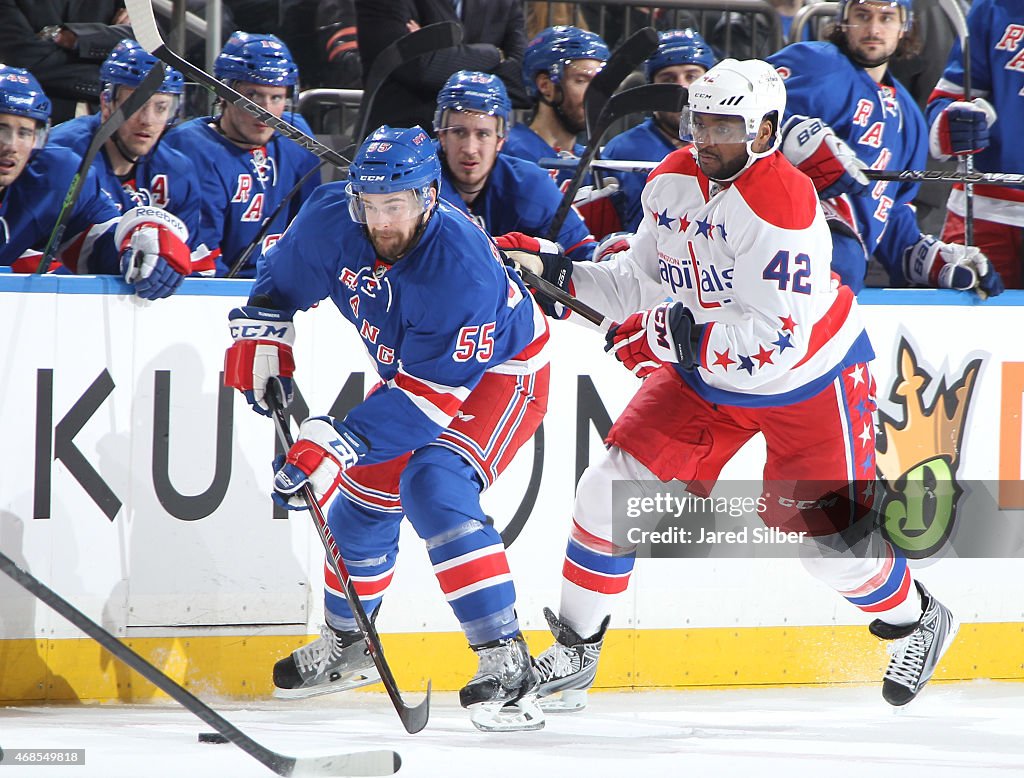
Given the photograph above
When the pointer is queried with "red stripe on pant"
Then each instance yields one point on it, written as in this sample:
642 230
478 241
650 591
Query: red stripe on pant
473 571
594 582
366 590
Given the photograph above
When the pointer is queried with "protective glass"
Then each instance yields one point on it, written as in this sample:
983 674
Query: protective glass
23 137
712 129
390 208
462 125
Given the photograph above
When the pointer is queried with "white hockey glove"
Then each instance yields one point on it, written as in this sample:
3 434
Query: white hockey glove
961 128
154 255
542 258
930 262
588 194
262 350
815 149
611 245
324 449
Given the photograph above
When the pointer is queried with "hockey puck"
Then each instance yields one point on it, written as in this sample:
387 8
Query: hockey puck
212 737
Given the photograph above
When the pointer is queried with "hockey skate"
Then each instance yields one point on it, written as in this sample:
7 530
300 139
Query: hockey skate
334 662
915 649
569 666
502 696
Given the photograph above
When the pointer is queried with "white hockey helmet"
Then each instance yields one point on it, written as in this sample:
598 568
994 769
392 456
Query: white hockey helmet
750 89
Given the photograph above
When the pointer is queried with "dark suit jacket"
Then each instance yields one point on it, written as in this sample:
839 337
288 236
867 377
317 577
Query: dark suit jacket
67 76
494 37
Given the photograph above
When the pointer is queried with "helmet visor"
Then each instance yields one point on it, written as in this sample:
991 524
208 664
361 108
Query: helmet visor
711 129
387 208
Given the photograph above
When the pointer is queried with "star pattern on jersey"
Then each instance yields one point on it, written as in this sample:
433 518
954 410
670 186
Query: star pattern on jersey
664 220
722 358
704 228
783 342
721 228
746 363
684 223
764 356
860 389
788 325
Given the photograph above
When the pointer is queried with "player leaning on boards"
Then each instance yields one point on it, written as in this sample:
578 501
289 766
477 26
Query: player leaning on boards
756 337
865 118
34 179
501 193
250 167
986 124
459 348
133 167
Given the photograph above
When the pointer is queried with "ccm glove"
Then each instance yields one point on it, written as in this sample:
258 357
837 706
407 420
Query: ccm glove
930 262
649 339
961 128
324 449
815 149
543 258
154 255
262 350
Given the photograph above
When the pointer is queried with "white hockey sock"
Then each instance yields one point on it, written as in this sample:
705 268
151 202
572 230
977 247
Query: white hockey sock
907 612
583 609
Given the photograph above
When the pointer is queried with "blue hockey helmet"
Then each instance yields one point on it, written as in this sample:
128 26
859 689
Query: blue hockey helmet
21 94
393 159
906 5
679 47
256 59
553 48
468 90
128 64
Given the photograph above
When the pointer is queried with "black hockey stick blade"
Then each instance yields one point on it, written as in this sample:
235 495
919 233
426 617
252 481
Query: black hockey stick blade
426 40
629 56
148 34
414 718
135 101
639 99
559 295
354 764
267 222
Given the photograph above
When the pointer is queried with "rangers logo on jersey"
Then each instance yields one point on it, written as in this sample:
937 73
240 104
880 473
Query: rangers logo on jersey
264 167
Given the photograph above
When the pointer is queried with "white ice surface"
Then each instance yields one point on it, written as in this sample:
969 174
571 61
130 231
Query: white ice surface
960 729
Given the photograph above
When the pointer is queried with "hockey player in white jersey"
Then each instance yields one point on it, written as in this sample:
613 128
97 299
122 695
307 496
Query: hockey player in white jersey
730 313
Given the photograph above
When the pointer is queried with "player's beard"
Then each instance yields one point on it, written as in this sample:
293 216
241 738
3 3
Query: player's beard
715 167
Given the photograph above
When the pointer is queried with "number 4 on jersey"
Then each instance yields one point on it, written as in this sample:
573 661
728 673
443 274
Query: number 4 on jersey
778 270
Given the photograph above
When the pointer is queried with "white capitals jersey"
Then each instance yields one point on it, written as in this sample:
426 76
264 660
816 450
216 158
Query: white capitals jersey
751 261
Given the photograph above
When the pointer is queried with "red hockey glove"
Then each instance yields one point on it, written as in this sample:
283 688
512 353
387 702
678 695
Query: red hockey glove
543 258
961 128
154 255
324 449
649 339
262 350
814 148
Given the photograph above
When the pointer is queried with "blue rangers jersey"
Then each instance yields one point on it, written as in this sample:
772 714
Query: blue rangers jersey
643 142
433 322
241 187
164 178
524 143
997 74
520 197
750 260
30 206
880 122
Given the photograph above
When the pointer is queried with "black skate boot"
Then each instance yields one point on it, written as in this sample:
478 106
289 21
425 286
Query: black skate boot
502 696
334 662
916 648
569 666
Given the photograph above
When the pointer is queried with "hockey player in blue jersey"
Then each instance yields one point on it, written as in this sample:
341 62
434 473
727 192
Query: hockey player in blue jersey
846 113
35 177
247 167
558 66
681 58
986 124
458 344
502 193
133 167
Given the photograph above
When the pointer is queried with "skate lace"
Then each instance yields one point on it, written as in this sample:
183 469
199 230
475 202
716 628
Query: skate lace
908 657
318 653
556 662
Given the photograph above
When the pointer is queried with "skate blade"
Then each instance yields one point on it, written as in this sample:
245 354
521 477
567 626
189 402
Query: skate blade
521 716
570 701
341 685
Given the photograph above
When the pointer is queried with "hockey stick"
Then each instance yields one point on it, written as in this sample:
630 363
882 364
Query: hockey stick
265 227
649 97
966 161
624 60
135 101
559 295
426 40
364 763
148 34
413 718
